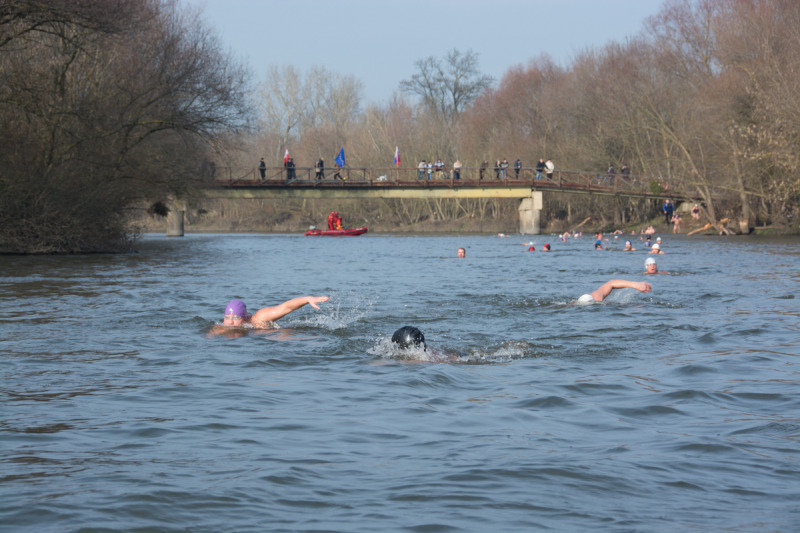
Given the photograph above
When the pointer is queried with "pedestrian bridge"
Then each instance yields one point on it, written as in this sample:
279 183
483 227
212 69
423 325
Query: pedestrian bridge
279 182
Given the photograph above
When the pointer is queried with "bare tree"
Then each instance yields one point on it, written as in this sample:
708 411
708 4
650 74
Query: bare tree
448 86
103 112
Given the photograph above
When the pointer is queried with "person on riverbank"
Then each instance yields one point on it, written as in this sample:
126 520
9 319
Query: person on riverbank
236 313
650 267
605 289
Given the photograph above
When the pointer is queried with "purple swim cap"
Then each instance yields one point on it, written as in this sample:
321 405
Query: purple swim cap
236 307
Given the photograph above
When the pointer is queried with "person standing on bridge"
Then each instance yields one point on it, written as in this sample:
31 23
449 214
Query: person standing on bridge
457 170
320 169
517 168
504 169
482 170
539 169
549 167
262 168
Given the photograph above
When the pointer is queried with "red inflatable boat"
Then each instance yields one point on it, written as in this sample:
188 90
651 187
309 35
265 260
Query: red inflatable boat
335 232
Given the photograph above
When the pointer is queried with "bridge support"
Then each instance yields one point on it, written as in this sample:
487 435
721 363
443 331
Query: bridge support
175 219
530 210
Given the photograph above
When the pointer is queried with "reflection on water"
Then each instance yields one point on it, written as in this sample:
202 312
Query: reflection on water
676 409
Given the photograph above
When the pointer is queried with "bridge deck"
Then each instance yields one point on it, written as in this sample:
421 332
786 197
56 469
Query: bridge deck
360 182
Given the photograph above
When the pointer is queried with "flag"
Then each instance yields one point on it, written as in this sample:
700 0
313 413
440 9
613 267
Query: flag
340 158
396 156
286 157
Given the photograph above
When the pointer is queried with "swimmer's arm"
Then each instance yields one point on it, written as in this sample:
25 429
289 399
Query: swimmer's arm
605 289
264 316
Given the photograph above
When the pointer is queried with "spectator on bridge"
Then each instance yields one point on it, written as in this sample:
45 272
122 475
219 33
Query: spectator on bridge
549 167
430 170
290 169
539 169
504 169
517 167
612 172
457 170
625 171
319 169
668 209
438 169
497 169
482 170
262 168
421 169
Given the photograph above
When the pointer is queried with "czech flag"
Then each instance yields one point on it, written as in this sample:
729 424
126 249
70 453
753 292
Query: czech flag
396 156
286 157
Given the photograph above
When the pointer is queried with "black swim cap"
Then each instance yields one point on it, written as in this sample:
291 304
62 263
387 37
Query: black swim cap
408 336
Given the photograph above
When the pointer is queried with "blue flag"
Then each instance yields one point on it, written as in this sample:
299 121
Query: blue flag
340 158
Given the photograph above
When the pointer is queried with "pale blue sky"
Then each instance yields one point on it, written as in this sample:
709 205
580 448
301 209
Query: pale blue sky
378 41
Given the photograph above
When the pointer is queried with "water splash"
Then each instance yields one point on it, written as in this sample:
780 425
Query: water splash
343 310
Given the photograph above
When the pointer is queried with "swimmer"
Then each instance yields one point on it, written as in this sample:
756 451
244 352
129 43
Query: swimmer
546 247
650 267
605 289
412 342
628 247
656 249
531 249
236 313
462 252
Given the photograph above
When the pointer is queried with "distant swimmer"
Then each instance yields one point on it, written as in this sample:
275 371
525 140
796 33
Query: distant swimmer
650 267
628 247
605 289
546 247
656 249
462 252
236 313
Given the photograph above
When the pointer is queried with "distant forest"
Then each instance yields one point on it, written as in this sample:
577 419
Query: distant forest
110 108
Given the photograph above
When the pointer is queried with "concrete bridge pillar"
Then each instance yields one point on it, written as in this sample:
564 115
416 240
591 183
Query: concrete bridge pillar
175 219
530 210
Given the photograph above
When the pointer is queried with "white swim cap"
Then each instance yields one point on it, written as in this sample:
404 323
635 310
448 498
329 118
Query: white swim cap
586 299
649 261
656 247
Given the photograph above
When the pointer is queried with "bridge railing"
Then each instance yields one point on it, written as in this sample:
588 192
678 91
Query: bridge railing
468 176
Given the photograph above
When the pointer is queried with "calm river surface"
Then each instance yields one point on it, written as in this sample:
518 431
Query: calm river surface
677 410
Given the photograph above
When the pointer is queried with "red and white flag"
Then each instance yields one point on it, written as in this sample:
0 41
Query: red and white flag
396 156
286 157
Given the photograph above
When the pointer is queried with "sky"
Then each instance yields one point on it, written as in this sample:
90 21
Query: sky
379 41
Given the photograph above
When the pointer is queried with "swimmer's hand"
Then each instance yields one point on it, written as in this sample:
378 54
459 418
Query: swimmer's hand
643 286
314 300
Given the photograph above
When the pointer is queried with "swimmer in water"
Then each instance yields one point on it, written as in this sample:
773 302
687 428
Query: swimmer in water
650 267
546 247
236 313
412 342
605 289
656 249
628 247
462 252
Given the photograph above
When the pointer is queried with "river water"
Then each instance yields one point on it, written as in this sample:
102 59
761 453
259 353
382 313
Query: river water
673 410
